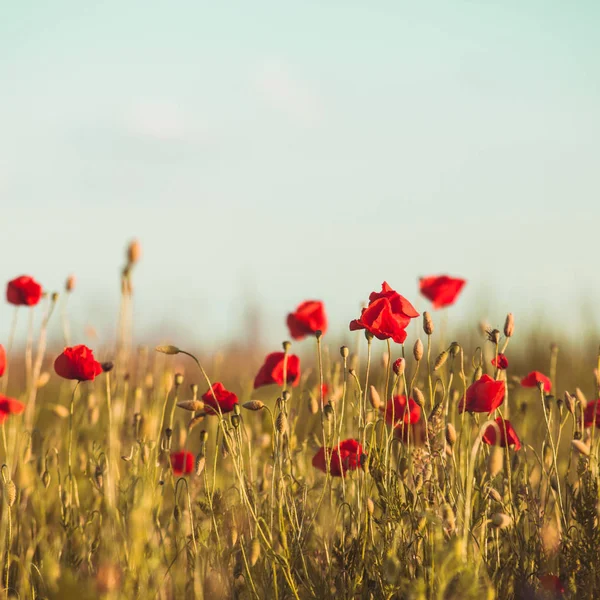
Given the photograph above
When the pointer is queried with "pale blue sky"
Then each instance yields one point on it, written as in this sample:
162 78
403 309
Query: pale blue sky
286 151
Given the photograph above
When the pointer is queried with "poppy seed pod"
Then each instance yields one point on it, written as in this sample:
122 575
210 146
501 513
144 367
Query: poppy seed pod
418 350
344 351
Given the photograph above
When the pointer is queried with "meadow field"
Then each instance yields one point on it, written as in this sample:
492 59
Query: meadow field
452 464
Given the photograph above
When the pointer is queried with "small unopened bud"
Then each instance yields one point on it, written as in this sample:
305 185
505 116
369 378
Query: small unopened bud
477 373
107 366
495 461
286 346
440 361
500 520
418 397
509 325
191 405
427 323
178 379
454 349
235 421
581 447
253 405
70 283
418 350
450 434
399 366
344 352
286 395
374 397
168 349
236 409
134 251
254 551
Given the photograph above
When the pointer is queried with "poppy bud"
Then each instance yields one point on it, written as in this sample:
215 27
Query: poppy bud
418 397
450 434
500 520
344 351
509 325
177 513
235 421
427 323
168 349
418 350
581 447
10 492
374 397
454 349
134 251
107 366
495 495
254 551
399 366
254 405
440 361
581 398
236 409
477 373
495 461
70 283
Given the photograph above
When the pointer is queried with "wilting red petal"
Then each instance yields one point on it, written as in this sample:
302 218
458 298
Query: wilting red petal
387 315
273 367
78 363
2 360
396 411
441 290
501 362
182 463
342 458
307 319
484 395
536 377
225 402
23 291
508 435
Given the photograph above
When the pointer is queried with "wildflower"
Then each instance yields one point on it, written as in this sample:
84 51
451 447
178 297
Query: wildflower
508 435
348 452
441 290
501 362
78 363
273 367
307 319
225 400
23 291
534 378
484 395
9 406
182 463
397 411
387 315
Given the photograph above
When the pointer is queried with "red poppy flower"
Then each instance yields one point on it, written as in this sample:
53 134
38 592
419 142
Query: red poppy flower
396 411
23 291
349 452
592 409
307 319
226 400
182 463
9 406
387 315
441 290
272 370
501 362
552 583
485 395
2 360
78 363
534 378
507 438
